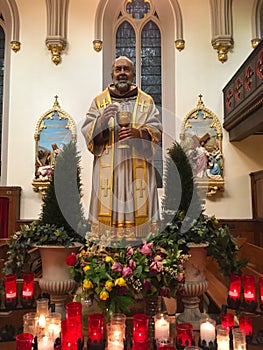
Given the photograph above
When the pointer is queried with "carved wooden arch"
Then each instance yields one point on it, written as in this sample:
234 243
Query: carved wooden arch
201 138
98 29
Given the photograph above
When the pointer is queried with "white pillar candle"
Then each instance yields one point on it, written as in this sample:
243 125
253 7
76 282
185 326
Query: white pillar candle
222 344
161 326
207 330
115 345
45 343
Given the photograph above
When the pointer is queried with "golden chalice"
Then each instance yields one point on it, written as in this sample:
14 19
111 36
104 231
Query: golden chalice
124 120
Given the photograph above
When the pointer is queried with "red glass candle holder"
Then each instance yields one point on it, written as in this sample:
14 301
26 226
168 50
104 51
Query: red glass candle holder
24 341
140 328
261 292
234 292
250 297
184 335
28 289
69 340
74 315
245 324
10 291
227 320
96 332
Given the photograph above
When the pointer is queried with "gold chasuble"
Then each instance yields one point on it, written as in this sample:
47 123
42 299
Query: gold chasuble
124 197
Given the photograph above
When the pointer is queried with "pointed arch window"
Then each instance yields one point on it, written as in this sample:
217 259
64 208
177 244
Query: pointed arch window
138 37
2 55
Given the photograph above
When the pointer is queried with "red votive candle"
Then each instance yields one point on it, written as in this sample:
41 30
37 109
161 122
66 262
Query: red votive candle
234 293
245 324
227 320
69 339
250 297
184 336
24 341
28 285
10 290
74 316
261 292
140 328
249 288
96 326
28 289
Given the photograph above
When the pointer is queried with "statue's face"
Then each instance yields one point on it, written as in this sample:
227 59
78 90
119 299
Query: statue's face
122 74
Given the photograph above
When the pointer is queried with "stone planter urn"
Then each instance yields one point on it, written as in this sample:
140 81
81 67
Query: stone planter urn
196 285
56 279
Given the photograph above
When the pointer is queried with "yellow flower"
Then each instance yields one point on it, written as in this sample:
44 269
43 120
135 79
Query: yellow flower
120 282
86 268
108 286
104 295
82 252
109 259
87 284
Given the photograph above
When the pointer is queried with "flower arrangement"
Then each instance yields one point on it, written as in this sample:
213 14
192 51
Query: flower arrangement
115 276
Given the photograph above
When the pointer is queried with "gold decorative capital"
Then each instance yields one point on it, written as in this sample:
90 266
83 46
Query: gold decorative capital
223 46
15 45
255 42
56 46
97 45
179 44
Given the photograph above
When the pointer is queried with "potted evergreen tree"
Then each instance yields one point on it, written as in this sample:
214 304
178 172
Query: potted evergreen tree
185 224
61 227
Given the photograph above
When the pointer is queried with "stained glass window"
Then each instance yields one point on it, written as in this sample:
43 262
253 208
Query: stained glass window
149 55
138 8
151 78
2 55
126 42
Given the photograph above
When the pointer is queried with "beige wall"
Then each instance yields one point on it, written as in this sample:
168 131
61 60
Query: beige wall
35 80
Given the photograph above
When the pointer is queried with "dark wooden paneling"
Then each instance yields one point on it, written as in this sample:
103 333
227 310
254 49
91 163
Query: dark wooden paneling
12 193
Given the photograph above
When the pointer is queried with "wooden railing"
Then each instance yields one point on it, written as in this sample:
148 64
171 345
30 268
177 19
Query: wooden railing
243 98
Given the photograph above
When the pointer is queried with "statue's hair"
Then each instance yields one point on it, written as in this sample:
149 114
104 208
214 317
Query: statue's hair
126 58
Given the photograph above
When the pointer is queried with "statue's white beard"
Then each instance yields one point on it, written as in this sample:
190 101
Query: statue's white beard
122 85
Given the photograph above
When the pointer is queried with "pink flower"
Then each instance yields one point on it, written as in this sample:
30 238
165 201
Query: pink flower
156 267
129 251
147 248
71 259
117 267
132 264
126 272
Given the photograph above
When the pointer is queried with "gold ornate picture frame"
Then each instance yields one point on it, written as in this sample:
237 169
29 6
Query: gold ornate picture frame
201 139
54 129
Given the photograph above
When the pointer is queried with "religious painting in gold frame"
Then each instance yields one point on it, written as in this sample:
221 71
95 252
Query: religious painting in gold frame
54 129
201 139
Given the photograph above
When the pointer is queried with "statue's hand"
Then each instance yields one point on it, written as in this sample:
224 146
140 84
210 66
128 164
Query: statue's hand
109 111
